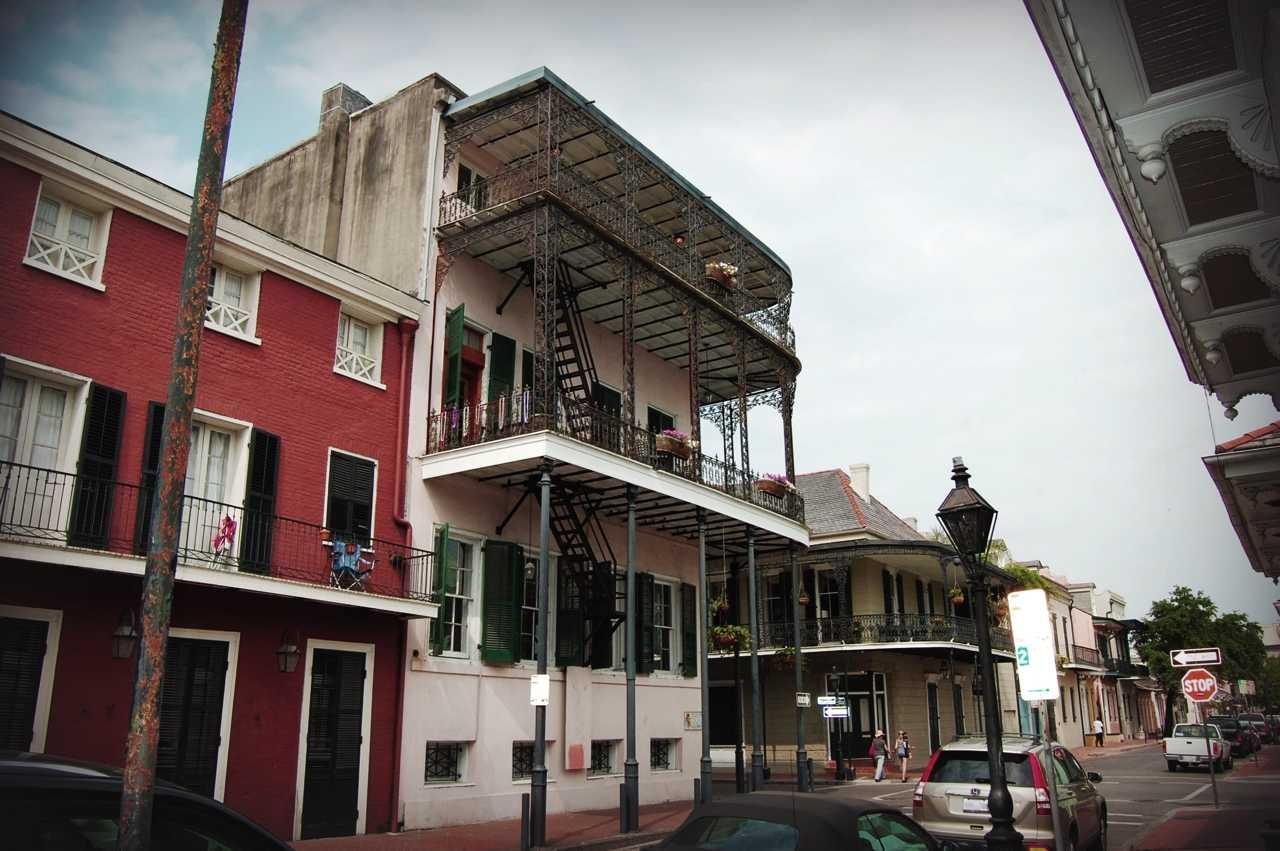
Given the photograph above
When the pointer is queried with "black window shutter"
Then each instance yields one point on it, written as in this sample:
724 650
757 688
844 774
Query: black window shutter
688 630
150 470
96 472
604 590
351 496
22 648
570 619
454 326
887 579
526 370
902 602
260 502
191 713
644 623
500 625
920 603
502 366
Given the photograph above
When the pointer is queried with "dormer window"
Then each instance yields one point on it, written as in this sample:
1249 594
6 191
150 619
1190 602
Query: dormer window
68 236
359 350
233 303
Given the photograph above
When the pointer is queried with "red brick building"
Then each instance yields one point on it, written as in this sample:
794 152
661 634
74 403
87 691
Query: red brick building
296 572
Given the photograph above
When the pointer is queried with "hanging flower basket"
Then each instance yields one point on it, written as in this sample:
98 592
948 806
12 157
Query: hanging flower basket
719 604
957 595
673 442
803 599
785 658
776 484
724 274
730 637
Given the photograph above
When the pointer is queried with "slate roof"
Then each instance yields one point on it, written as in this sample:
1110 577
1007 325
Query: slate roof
1268 435
831 506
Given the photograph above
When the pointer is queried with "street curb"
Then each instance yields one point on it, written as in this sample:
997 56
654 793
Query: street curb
620 840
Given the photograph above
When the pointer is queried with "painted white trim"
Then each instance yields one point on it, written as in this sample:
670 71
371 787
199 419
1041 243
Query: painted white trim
48 669
197 575
901 645
366 711
252 295
547 444
77 388
373 499
88 203
232 640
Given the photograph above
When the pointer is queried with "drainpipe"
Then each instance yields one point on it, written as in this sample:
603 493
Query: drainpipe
397 742
408 328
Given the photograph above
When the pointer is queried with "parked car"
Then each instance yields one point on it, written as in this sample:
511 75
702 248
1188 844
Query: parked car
49 804
1241 739
950 801
1260 726
786 821
1186 748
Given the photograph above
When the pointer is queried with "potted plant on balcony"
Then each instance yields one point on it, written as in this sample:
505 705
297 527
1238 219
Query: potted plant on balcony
957 595
729 637
775 484
784 658
1062 662
724 274
672 442
719 604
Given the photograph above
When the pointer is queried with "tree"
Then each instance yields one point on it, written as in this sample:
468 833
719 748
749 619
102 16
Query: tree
1269 684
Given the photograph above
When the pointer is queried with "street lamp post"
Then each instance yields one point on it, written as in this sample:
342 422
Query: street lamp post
969 520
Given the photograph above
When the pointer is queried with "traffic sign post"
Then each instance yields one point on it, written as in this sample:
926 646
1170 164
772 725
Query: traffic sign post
1201 686
1195 656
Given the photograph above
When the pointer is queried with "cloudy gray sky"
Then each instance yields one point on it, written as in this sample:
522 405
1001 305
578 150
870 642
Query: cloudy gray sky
963 283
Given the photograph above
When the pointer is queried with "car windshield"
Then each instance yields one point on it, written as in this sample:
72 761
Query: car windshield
1190 731
1225 724
971 767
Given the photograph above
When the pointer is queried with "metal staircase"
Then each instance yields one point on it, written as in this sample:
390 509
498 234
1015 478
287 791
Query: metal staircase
575 367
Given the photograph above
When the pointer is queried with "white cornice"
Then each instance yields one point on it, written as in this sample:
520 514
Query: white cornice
61 160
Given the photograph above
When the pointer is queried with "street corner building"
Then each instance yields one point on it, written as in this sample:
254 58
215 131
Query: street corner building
595 333
295 579
885 629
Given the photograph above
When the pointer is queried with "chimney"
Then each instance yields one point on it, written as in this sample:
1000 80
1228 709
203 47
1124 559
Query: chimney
860 480
343 98
912 522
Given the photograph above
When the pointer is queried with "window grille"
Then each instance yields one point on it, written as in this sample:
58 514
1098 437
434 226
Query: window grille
444 762
521 760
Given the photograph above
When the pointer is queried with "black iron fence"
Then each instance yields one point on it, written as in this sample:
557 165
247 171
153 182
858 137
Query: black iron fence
514 414
880 629
52 507
1086 655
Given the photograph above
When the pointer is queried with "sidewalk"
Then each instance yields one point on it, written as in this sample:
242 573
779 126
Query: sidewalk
1090 752
598 829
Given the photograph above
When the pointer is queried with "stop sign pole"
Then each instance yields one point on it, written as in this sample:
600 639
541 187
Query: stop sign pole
1200 686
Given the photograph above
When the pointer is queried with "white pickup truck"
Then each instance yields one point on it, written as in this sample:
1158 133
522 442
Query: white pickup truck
1186 747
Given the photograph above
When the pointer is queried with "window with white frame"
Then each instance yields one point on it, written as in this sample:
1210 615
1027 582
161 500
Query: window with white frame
457 598
210 465
446 762
359 348
528 612
33 421
663 626
67 236
232 302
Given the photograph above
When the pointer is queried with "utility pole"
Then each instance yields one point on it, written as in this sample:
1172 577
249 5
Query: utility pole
166 502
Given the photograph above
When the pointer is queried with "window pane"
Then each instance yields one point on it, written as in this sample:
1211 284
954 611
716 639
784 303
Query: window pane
344 330
48 427
735 833
47 216
216 469
12 394
193 461
896 832
971 767
80 229
230 289
359 338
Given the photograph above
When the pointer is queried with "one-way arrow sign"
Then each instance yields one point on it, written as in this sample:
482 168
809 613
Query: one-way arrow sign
1192 656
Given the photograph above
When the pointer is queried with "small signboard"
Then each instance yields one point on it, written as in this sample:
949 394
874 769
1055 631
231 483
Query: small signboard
1036 659
1193 656
540 690
1200 685
835 712
802 700
831 700
693 720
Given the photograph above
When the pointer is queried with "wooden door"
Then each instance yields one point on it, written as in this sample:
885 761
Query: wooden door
335 724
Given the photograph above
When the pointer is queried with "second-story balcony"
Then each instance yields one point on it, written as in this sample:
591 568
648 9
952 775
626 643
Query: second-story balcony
878 630
1117 667
54 516
1086 656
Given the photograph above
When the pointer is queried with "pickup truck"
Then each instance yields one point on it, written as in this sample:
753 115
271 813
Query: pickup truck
1186 747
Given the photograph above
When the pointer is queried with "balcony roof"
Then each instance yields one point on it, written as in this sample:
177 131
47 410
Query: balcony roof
530 80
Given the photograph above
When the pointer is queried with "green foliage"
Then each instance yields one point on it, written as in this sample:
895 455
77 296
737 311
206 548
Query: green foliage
1269 683
1026 577
726 636
1189 618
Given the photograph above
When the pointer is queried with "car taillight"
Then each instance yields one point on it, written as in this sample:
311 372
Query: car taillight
1042 787
917 797
1164 746
1217 749
1042 801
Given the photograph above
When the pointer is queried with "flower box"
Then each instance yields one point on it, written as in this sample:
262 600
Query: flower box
672 446
724 274
778 486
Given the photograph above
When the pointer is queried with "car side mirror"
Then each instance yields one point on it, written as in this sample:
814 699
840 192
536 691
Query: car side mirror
1094 777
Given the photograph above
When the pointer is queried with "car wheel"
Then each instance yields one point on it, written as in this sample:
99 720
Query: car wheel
1101 844
1173 766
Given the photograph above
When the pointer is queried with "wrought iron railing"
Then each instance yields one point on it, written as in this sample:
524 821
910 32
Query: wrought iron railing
51 507
1086 655
514 414
493 196
1119 667
880 629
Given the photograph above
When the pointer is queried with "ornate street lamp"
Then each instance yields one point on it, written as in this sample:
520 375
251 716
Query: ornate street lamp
969 520
287 653
125 636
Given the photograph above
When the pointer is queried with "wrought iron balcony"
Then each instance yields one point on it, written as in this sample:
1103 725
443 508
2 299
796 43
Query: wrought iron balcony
1086 655
54 508
880 629
1118 667
513 414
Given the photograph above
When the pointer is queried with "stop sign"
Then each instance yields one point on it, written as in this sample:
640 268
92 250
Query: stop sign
1199 685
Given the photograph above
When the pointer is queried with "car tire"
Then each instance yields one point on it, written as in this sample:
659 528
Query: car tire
1173 766
1100 843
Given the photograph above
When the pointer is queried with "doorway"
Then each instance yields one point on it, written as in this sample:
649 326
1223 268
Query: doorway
333 760
864 695
195 710
935 733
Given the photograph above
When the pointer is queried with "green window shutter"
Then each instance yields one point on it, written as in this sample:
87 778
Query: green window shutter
502 366
500 621
644 623
453 335
526 370
437 587
688 630
570 619
604 591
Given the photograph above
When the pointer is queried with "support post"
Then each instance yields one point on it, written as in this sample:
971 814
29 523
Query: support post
802 757
741 343
705 773
138 782
757 709
538 785
695 409
788 408
629 350
739 760
1055 818
631 767
546 306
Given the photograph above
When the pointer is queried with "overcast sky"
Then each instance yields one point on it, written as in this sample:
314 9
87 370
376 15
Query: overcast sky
963 283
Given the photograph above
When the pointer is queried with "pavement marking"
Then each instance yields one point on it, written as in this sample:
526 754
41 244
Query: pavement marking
1128 815
1186 798
893 794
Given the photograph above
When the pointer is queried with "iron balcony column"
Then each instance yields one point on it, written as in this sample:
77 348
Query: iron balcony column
705 785
631 768
1003 836
802 757
757 710
538 788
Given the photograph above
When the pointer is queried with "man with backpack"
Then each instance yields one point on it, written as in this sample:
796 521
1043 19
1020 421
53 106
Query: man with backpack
879 752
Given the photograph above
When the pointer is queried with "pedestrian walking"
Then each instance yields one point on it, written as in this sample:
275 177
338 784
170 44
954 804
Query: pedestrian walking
1097 731
903 750
879 752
